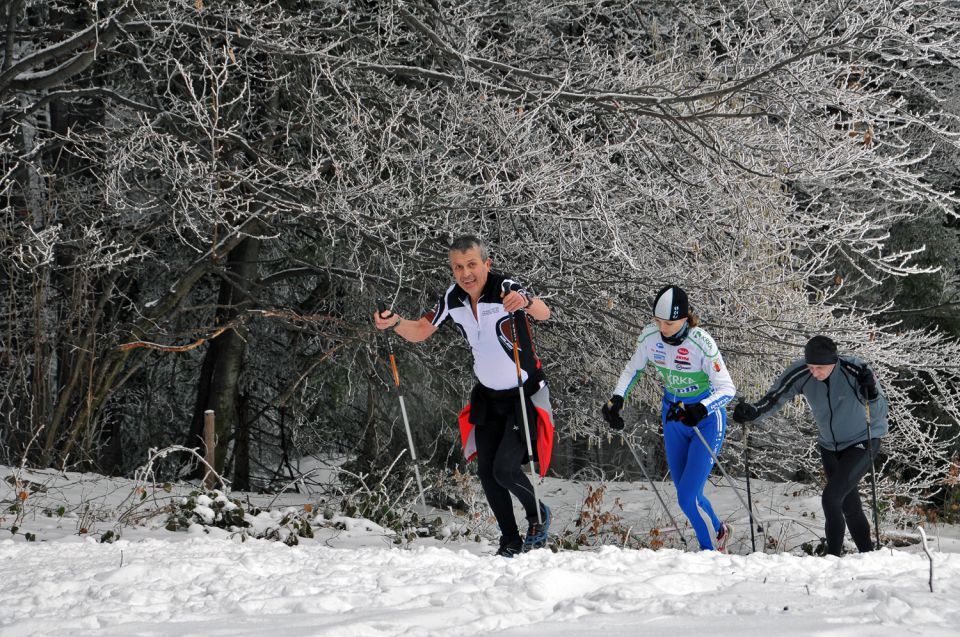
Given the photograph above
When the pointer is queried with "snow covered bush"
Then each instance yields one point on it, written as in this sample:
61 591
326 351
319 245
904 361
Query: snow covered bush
207 509
214 509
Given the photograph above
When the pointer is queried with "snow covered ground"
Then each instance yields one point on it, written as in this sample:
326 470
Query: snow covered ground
353 579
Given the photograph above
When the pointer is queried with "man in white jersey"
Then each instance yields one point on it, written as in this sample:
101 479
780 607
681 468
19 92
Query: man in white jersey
697 385
480 303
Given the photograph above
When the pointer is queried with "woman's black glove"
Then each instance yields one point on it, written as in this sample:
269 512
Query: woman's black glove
693 414
690 415
611 412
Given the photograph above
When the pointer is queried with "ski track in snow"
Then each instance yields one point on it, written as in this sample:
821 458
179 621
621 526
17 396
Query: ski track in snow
211 586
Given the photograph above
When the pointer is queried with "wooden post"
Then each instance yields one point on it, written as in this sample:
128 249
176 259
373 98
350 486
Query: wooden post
210 452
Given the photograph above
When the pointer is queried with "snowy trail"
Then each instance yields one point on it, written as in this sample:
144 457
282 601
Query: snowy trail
208 586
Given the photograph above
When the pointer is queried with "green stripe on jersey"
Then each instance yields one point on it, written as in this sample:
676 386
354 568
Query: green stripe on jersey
704 342
684 383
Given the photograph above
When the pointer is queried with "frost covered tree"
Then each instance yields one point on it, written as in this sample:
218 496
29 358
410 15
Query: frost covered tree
245 179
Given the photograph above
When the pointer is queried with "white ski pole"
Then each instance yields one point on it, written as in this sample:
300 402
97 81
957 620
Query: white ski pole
730 481
523 410
381 308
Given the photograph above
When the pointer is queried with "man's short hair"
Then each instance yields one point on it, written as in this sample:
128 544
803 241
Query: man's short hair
468 241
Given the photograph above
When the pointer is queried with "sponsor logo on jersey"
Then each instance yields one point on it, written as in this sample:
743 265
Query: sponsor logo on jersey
492 310
683 358
659 358
681 381
684 351
682 364
716 365
659 345
709 347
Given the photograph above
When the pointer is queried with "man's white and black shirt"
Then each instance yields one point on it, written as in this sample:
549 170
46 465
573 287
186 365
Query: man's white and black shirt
489 333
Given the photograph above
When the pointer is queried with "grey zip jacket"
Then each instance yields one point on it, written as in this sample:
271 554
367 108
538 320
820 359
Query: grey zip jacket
837 405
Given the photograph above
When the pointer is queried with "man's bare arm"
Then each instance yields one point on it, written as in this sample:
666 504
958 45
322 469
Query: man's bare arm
413 331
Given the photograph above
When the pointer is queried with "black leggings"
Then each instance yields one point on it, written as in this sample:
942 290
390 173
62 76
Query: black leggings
501 448
841 497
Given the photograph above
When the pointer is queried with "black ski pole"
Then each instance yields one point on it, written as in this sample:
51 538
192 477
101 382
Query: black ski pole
873 475
381 308
746 468
655 490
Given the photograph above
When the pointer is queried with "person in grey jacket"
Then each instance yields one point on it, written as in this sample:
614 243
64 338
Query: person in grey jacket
837 389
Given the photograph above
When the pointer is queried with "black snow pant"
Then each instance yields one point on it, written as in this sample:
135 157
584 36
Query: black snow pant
841 497
501 449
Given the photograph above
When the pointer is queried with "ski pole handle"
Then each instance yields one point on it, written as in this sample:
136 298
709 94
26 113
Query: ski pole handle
381 308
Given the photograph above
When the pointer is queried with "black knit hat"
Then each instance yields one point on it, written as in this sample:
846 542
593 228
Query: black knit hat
671 304
820 350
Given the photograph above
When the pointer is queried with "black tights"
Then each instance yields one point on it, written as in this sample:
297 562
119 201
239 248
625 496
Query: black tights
841 497
500 451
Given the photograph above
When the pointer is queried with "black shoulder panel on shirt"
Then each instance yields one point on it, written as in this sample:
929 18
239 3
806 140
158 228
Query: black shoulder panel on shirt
800 374
491 291
852 371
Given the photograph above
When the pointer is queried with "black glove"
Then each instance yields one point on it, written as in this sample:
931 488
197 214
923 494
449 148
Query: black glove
868 383
690 415
675 412
611 412
745 412
693 414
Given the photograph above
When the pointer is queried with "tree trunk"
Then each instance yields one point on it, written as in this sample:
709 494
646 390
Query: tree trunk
220 375
369 446
241 447
111 451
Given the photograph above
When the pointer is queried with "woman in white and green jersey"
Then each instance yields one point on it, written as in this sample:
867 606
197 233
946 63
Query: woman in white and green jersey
697 385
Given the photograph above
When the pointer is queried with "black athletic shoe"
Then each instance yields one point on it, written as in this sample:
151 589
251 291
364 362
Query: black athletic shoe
510 546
